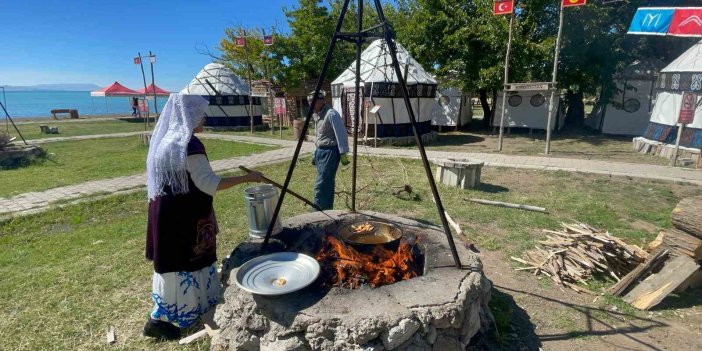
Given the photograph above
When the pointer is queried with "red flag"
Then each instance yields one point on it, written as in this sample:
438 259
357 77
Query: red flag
240 41
137 60
503 7
569 3
687 22
267 40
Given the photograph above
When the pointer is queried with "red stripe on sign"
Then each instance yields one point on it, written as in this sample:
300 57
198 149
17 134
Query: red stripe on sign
687 22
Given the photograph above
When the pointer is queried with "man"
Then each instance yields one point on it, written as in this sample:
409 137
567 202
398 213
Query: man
332 146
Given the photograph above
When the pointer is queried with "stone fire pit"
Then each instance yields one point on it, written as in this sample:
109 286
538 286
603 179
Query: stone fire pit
443 309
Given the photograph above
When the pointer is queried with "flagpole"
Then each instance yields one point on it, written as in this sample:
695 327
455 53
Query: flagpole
549 123
146 120
153 81
504 87
248 63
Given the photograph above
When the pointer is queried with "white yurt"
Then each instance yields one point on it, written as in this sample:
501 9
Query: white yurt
683 74
628 110
528 109
453 108
380 86
228 96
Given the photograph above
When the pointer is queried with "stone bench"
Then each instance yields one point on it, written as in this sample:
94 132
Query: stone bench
460 173
48 130
72 113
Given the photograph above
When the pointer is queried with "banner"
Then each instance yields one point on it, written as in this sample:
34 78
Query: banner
279 107
686 22
240 42
502 7
137 60
651 20
267 40
569 3
687 108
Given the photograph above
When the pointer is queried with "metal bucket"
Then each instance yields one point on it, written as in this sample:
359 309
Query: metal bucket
260 202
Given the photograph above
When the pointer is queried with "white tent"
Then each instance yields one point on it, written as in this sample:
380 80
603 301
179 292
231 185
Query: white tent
683 74
228 96
452 109
528 109
380 86
628 110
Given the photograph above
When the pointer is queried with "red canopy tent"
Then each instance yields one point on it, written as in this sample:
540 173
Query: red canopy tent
150 91
115 89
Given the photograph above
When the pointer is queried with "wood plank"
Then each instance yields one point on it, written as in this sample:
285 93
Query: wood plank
638 273
682 243
193 337
111 338
686 216
656 287
509 205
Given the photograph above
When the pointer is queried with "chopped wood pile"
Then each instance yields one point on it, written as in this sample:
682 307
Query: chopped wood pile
674 264
579 251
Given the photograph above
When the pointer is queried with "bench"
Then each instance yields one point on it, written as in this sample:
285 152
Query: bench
48 130
72 113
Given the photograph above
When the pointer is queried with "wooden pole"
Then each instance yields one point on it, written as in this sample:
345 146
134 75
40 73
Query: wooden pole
153 81
551 103
674 159
248 63
146 120
504 87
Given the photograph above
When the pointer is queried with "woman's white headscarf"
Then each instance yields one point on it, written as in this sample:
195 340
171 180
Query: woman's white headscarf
168 149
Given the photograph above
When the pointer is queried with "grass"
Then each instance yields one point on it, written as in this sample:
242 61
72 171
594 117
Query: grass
70 273
69 128
80 161
265 133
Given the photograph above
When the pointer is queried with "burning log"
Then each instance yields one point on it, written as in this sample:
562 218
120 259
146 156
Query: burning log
351 269
579 251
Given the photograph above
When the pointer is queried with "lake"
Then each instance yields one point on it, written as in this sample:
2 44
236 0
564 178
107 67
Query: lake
40 103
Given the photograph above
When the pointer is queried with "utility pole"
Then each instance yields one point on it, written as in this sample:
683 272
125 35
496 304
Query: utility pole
551 103
506 81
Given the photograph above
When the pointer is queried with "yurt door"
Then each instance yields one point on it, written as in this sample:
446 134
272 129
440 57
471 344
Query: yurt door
349 101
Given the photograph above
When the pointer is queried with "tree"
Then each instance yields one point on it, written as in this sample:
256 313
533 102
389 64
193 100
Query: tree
254 60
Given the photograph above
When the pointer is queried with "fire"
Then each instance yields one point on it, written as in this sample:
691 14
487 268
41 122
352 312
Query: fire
351 269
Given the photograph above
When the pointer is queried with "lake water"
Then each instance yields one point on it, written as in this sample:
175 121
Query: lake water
40 103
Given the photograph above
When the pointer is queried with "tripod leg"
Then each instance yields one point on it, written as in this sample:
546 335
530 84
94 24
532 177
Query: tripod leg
293 162
387 33
7 115
357 113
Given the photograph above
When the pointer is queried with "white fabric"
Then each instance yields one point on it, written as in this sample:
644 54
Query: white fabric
617 120
525 115
455 112
376 66
221 78
667 110
202 175
166 162
182 297
689 61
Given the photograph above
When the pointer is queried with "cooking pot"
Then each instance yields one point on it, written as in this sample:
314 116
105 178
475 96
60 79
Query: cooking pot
386 234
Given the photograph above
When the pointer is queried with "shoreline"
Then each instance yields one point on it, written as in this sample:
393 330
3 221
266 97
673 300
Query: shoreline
85 118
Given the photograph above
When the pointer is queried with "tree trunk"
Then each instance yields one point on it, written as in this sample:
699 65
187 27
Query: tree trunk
687 216
487 114
576 109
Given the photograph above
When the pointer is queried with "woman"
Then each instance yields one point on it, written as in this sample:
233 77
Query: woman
181 229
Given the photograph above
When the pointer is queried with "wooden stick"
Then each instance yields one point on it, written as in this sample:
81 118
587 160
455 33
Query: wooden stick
277 185
509 205
193 337
111 335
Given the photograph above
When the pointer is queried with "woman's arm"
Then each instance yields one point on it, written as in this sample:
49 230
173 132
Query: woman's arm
228 182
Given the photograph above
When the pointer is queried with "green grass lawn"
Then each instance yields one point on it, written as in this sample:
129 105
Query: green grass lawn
265 133
69 128
77 161
70 273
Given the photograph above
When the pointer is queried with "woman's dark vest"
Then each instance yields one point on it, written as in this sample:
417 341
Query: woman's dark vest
181 230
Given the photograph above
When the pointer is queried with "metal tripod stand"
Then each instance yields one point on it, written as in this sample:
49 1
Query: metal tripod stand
358 38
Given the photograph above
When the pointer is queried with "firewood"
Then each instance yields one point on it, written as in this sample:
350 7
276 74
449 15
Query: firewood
682 243
653 245
639 273
111 338
686 216
509 205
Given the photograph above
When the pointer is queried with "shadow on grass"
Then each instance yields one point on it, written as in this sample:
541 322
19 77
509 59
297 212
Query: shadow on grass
515 331
598 315
681 300
491 188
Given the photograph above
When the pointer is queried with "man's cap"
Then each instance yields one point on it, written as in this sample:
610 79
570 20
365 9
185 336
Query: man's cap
321 95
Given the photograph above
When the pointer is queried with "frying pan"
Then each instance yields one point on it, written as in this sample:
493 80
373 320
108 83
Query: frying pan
385 234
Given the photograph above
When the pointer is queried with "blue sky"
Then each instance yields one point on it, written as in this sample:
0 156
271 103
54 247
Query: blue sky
91 41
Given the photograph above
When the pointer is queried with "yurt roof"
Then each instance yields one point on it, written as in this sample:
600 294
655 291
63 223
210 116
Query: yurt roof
689 61
222 79
376 66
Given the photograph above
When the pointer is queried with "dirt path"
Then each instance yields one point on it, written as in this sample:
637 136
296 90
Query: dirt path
543 316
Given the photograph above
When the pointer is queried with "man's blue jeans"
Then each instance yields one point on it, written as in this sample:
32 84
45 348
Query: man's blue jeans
327 161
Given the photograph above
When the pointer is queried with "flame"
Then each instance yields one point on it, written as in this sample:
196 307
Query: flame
351 269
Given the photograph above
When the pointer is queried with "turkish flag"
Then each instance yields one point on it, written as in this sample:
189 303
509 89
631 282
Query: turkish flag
568 3
267 40
503 7
687 22
240 41
137 60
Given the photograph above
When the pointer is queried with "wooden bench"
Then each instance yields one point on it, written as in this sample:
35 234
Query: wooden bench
72 113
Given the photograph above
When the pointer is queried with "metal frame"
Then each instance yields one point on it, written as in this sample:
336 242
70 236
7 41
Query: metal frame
359 38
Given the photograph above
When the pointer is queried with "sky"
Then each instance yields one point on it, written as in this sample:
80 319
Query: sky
95 41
